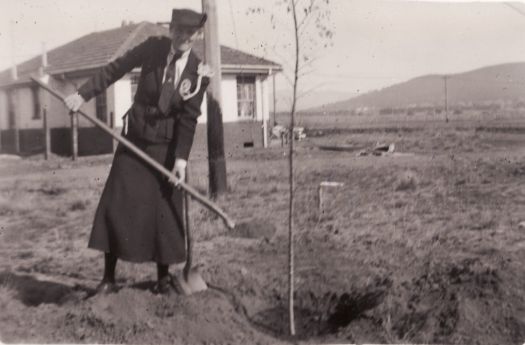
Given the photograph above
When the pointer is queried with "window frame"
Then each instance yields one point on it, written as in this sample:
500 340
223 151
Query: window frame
101 107
35 96
248 97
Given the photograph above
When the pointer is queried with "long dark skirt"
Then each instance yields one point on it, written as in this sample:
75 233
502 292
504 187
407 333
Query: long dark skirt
139 216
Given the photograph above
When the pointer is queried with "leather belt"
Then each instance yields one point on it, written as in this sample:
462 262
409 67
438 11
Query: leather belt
150 111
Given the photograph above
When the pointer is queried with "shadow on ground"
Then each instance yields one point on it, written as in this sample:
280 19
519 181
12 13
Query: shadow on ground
33 292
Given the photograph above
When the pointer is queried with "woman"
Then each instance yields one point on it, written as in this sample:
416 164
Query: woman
139 216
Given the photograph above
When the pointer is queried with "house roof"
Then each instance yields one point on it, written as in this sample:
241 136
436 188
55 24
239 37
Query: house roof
98 48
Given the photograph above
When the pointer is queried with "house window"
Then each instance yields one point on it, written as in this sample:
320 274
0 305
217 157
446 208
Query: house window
11 108
102 107
36 103
246 97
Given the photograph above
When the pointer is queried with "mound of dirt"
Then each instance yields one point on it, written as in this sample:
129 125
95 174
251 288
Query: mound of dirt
136 316
448 302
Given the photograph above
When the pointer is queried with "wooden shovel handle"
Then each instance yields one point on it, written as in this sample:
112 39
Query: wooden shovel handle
172 178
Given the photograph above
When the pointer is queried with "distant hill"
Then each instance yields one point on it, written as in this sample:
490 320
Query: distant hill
497 83
314 99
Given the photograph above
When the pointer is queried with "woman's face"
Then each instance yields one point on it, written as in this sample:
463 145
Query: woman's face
183 37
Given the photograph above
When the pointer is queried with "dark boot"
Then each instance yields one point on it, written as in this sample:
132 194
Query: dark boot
165 284
107 285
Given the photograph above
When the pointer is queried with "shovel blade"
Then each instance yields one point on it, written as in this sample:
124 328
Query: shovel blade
194 282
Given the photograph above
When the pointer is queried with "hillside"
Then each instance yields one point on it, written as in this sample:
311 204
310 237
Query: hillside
504 82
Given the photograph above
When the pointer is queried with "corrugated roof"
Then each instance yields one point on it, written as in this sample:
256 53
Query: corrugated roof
99 48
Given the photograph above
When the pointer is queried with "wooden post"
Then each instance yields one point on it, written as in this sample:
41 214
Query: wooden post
212 56
274 101
446 99
74 136
16 130
47 135
322 186
265 133
265 120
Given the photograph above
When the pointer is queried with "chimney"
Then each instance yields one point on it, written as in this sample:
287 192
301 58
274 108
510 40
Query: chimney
44 55
123 24
14 71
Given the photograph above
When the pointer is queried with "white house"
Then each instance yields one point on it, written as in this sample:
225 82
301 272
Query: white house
245 95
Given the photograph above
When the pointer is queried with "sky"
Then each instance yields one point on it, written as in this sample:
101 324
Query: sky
374 44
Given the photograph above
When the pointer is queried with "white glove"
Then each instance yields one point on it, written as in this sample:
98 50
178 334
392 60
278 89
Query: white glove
179 169
74 102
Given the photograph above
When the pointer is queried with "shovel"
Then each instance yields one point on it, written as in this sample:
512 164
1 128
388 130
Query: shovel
189 280
230 224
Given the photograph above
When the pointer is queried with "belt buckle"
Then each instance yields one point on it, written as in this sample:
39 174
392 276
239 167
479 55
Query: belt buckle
151 110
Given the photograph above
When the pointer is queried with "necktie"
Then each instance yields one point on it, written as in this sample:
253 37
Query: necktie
168 87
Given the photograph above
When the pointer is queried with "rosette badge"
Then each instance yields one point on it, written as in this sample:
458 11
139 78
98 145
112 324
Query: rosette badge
184 89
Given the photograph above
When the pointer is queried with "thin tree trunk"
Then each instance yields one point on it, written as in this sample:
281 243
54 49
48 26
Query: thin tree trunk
292 182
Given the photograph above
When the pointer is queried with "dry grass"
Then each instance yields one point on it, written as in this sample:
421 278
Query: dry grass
436 232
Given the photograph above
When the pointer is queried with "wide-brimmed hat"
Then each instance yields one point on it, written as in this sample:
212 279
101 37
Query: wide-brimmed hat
187 18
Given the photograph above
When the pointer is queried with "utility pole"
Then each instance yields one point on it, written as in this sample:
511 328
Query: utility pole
47 134
445 78
212 56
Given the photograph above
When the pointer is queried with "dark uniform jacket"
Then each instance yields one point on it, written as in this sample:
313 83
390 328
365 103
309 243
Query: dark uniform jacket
144 119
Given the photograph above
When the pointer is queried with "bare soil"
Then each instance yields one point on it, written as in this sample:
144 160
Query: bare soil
423 246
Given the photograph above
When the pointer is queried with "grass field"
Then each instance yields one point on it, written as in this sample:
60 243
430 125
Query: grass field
421 246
